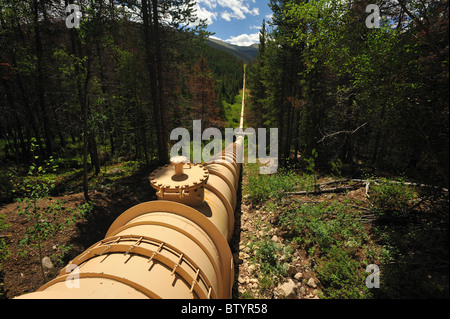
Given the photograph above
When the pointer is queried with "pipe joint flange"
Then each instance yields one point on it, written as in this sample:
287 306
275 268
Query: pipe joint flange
183 182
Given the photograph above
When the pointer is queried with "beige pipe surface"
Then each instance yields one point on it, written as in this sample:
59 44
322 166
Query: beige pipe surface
154 250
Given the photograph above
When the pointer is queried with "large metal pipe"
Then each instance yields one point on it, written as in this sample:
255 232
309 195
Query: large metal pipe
173 248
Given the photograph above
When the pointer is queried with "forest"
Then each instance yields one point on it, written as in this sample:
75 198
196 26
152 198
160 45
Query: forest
86 115
114 86
376 97
362 107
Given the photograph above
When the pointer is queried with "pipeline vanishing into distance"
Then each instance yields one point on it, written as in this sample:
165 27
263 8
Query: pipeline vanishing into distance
173 248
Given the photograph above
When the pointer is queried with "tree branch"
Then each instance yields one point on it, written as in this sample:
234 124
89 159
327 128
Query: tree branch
341 132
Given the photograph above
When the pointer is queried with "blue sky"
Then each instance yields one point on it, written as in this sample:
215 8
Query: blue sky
234 21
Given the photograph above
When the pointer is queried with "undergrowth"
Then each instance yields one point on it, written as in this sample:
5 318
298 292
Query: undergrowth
401 229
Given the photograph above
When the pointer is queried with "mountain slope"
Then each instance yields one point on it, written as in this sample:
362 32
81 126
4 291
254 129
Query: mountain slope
247 54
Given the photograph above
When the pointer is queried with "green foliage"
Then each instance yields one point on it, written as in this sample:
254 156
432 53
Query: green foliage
331 233
263 187
323 225
342 276
233 111
322 74
336 168
415 248
311 166
4 251
268 255
228 72
392 198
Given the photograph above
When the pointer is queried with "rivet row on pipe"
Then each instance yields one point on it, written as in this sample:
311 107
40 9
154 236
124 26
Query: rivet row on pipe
174 248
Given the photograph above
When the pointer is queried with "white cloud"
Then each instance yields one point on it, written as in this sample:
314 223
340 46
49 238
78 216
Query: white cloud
244 39
203 13
214 37
227 9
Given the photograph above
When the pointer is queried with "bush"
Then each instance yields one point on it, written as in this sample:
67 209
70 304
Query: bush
392 198
341 275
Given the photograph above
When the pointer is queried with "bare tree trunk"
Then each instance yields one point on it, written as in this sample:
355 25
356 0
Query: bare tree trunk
163 156
41 82
151 65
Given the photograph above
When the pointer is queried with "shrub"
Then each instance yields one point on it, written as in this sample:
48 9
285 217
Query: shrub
341 275
392 198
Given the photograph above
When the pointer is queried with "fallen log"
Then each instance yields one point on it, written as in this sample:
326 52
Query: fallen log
327 190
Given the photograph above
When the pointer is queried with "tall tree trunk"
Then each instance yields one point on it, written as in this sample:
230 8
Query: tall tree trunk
163 156
109 111
83 100
26 103
151 65
41 82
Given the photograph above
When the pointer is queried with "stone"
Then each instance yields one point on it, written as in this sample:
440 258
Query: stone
287 290
47 263
302 291
298 276
312 283
275 239
251 269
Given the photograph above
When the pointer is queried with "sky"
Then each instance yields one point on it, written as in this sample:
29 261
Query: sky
234 21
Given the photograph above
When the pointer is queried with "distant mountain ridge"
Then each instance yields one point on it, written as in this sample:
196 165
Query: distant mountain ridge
245 53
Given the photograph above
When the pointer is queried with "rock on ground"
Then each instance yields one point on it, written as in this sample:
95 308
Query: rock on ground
287 290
